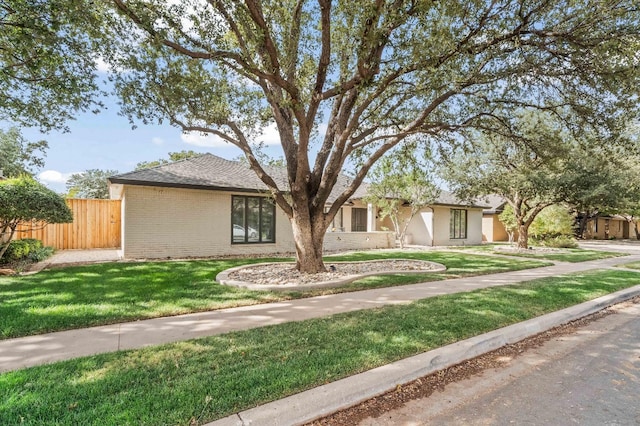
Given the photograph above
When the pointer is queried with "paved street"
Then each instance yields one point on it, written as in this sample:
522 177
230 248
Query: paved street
591 377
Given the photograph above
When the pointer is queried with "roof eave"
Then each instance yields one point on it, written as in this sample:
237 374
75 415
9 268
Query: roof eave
184 186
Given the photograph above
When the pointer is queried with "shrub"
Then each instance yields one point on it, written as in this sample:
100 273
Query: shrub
20 250
560 242
40 254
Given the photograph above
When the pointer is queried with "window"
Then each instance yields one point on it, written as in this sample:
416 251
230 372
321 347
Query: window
458 224
253 220
358 220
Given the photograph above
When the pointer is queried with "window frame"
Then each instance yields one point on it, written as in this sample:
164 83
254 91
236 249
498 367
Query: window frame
457 229
358 211
265 205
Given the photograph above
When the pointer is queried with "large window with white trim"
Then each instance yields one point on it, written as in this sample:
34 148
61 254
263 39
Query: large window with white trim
253 220
458 224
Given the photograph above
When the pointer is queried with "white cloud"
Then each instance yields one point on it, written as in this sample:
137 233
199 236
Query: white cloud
270 136
198 139
54 176
102 66
157 141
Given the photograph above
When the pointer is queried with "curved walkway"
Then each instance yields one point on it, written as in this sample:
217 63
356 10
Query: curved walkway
46 348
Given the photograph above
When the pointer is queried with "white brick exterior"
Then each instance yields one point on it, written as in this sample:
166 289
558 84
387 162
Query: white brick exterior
336 241
171 222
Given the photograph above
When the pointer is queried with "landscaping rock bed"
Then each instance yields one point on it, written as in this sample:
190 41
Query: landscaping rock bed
284 275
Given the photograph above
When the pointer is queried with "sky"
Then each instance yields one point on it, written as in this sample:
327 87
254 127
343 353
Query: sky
107 141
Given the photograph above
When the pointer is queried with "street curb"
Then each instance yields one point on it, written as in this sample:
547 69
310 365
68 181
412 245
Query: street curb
321 401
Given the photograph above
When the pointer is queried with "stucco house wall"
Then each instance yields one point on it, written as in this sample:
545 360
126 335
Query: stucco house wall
609 228
442 217
493 229
430 226
174 222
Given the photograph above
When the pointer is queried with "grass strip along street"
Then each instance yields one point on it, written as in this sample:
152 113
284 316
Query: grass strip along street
84 296
197 381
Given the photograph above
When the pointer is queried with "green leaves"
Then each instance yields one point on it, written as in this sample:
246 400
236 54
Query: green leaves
91 183
47 62
19 156
25 199
22 200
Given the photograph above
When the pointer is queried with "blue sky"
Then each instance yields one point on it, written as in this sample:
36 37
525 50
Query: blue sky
107 141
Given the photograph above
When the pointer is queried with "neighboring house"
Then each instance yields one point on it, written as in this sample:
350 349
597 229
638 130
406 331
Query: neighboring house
209 206
603 227
492 229
610 227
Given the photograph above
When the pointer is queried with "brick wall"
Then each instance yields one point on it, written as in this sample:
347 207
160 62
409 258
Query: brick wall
172 222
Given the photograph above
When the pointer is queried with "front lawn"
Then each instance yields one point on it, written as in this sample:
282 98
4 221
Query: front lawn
572 255
108 293
568 255
197 381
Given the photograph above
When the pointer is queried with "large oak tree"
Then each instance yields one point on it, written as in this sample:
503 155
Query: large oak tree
346 81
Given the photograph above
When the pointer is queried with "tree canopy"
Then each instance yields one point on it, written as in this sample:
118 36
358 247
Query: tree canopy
91 183
23 200
47 62
537 163
344 82
18 155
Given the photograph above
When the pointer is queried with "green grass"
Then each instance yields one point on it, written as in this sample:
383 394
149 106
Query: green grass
201 380
108 293
630 265
569 255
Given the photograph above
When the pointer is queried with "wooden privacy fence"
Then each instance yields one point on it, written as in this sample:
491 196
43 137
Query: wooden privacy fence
96 224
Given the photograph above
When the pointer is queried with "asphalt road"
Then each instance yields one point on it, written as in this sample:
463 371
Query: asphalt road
590 377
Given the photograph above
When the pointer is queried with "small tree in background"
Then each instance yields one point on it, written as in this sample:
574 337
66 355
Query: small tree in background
509 221
24 200
20 156
90 184
401 180
553 222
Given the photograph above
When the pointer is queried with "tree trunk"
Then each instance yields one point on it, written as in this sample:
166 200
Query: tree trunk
635 222
583 225
308 235
523 236
5 242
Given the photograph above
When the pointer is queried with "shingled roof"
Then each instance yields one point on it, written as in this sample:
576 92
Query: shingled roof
211 172
208 171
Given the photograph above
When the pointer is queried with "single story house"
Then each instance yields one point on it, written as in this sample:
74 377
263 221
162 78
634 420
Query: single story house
210 206
601 228
610 227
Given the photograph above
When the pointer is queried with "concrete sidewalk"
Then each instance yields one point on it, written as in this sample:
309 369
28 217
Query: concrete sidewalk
47 348
77 257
